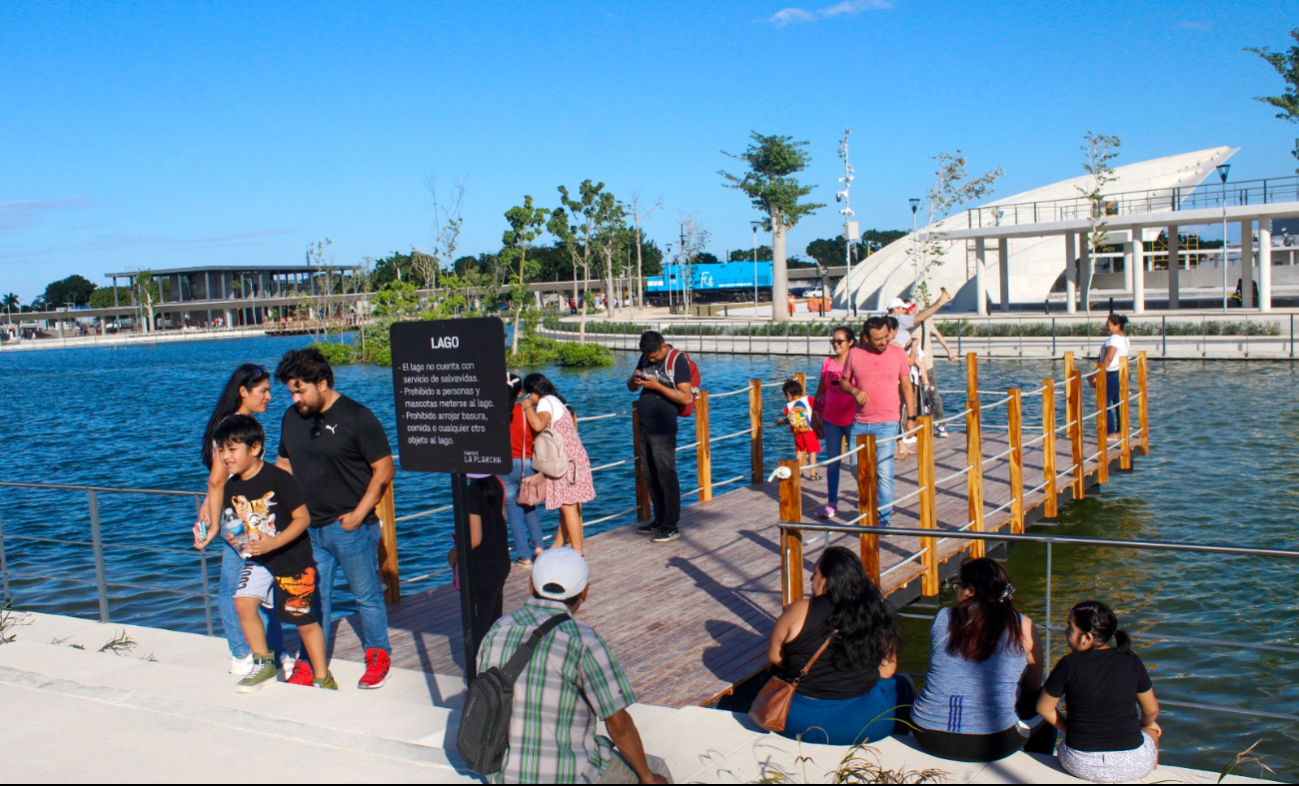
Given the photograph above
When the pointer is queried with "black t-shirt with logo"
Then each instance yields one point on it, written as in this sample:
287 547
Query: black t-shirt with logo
333 468
658 416
1100 688
265 502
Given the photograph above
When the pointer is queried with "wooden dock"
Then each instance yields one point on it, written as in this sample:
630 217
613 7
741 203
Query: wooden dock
690 619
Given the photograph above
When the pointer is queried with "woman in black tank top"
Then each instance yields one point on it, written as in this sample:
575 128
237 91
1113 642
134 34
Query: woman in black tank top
850 694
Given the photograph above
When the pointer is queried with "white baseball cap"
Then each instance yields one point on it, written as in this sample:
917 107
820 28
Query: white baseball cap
896 302
560 573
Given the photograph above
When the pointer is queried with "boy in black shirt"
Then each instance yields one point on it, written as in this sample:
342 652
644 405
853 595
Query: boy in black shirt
266 516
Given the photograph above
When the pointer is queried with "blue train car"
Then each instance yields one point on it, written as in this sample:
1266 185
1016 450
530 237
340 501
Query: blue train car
723 281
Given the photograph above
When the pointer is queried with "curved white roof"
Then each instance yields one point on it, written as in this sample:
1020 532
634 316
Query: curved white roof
1035 262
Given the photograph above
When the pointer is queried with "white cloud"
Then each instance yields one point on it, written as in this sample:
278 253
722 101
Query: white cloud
790 16
30 212
1203 27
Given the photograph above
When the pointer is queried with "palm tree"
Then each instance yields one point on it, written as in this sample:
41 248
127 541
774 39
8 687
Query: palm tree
10 301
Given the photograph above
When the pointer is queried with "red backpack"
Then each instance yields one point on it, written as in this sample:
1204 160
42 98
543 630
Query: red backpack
685 410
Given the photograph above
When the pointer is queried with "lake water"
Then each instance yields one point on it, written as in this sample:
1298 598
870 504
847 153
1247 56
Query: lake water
1223 469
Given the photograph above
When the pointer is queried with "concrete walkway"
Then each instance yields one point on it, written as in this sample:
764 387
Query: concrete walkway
166 712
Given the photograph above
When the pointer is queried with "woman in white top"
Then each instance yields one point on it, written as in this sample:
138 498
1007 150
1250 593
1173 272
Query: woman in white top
1114 353
545 408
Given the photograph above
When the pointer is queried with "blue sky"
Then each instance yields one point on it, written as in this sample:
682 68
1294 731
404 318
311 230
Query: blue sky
196 133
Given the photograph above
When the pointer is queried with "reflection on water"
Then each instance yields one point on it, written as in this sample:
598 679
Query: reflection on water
1223 469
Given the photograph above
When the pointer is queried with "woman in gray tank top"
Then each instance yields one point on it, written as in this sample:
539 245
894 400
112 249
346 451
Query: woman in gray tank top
983 655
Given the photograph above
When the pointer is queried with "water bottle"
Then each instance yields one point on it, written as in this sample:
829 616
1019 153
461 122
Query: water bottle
234 527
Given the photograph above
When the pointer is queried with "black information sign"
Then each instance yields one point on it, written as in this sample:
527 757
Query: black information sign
453 409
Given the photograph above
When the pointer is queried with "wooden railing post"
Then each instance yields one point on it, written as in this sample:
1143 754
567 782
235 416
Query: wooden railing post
974 478
703 451
755 430
791 540
1125 428
928 507
644 511
1052 505
1068 366
1076 434
801 378
1102 429
1015 417
1143 403
386 510
868 505
971 376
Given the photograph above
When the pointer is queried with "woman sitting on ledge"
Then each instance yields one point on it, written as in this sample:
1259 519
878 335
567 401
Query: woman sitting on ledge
982 655
1104 740
850 694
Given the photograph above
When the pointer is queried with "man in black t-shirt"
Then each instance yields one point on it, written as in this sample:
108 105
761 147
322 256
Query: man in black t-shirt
663 391
339 453
266 519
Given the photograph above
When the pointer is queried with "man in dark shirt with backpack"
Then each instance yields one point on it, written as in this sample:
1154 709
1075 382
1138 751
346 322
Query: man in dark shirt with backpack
663 378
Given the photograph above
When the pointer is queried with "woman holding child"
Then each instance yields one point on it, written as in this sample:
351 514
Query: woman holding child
545 409
247 392
848 634
983 656
1104 682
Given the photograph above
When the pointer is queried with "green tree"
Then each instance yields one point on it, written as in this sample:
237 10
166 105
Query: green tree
589 213
829 252
746 254
772 161
875 239
74 289
526 225
610 237
1098 151
103 297
11 302
952 187
1287 65
393 268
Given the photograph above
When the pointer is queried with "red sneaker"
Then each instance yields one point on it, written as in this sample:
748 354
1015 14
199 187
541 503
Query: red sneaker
377 664
302 674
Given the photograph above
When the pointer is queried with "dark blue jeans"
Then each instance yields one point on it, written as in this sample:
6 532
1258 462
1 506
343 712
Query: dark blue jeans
1112 397
868 718
357 553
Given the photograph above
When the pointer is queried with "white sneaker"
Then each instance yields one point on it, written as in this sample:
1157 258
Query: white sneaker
241 666
287 662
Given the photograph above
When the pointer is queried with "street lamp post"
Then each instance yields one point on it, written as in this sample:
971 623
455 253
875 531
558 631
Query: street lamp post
849 226
756 226
1223 169
667 273
915 252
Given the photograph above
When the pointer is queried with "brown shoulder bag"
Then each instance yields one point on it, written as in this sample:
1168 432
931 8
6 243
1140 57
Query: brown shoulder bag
771 708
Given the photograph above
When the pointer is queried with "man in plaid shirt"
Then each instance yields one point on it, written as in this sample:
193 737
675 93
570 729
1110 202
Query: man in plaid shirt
571 683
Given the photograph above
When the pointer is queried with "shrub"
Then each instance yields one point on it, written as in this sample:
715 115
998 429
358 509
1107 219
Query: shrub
339 354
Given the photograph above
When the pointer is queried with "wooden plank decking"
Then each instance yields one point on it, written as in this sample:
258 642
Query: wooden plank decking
690 619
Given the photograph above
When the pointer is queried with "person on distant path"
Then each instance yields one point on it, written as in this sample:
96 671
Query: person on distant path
851 694
489 551
836 410
525 521
248 392
985 659
572 682
877 371
897 308
280 573
545 408
798 416
1114 353
339 453
1105 741
663 391
933 397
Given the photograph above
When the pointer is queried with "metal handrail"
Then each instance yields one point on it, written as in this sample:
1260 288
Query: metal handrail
102 489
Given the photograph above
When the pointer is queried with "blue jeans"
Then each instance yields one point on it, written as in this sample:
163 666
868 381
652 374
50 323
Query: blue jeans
868 718
357 553
1112 398
883 461
231 565
835 437
525 521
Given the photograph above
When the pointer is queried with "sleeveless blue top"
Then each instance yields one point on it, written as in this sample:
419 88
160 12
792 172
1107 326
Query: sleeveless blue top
964 697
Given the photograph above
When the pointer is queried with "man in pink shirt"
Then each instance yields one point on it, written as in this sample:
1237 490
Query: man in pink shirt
879 378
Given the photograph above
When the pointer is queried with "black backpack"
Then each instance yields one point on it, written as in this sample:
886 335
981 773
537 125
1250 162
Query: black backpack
485 725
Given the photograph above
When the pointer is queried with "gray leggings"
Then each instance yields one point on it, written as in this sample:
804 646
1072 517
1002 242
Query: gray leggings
1110 766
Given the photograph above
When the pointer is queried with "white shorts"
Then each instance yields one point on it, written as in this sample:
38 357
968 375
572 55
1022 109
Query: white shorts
255 581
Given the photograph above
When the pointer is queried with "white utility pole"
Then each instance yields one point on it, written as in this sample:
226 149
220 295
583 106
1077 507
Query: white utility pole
849 226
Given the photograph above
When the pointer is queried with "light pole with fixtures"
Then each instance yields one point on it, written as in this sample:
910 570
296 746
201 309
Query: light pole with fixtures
915 252
1223 169
849 226
756 226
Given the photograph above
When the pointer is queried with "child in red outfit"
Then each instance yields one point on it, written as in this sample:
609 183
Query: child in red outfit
798 416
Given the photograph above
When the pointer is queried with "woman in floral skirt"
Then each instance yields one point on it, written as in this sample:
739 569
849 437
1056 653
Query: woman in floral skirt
545 408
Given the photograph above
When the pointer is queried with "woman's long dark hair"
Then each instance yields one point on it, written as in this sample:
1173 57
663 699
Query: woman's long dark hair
868 634
537 383
1094 617
492 493
247 376
980 622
